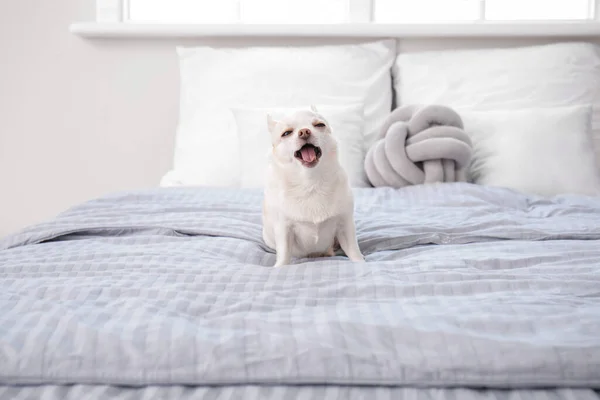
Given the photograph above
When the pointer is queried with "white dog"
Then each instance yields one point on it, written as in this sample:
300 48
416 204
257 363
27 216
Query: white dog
308 204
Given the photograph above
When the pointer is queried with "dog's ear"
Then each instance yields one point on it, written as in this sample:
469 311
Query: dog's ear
313 108
271 122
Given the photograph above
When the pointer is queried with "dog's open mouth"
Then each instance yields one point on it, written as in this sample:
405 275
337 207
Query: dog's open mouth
309 154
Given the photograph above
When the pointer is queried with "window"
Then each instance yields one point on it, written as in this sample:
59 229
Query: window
344 11
181 11
232 11
472 10
304 11
538 9
407 11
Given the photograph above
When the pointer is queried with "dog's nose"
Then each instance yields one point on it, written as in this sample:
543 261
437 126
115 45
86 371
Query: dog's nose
304 133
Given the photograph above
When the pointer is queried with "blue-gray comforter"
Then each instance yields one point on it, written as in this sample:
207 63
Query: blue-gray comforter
464 286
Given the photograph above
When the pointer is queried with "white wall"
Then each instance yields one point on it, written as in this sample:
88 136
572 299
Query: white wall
77 118
81 118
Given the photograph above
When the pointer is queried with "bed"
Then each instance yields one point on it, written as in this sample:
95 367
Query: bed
468 292
486 289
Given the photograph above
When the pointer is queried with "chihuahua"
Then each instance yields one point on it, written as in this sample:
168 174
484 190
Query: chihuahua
308 207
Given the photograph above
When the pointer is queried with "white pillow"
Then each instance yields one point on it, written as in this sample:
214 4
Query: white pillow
544 151
553 75
215 80
255 141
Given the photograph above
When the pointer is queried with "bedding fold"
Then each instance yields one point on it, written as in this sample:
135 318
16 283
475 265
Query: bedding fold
103 392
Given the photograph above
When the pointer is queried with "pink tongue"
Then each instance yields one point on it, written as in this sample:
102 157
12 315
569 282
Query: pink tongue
308 154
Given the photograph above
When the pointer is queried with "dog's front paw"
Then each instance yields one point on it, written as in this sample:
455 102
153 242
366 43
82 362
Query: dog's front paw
357 258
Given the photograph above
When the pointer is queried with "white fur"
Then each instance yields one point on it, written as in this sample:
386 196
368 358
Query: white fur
306 208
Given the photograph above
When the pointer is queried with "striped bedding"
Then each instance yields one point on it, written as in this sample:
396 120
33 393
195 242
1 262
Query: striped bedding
467 293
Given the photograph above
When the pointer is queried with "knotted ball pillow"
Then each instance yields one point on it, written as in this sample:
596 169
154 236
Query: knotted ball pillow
419 144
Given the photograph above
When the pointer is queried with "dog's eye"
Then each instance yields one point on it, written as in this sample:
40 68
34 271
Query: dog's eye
319 125
286 133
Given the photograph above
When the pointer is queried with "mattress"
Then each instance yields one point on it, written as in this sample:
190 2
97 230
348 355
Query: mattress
467 292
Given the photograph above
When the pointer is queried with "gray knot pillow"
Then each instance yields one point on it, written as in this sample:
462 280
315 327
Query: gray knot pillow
419 144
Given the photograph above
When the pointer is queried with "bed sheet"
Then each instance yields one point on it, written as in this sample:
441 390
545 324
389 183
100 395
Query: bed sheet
252 392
